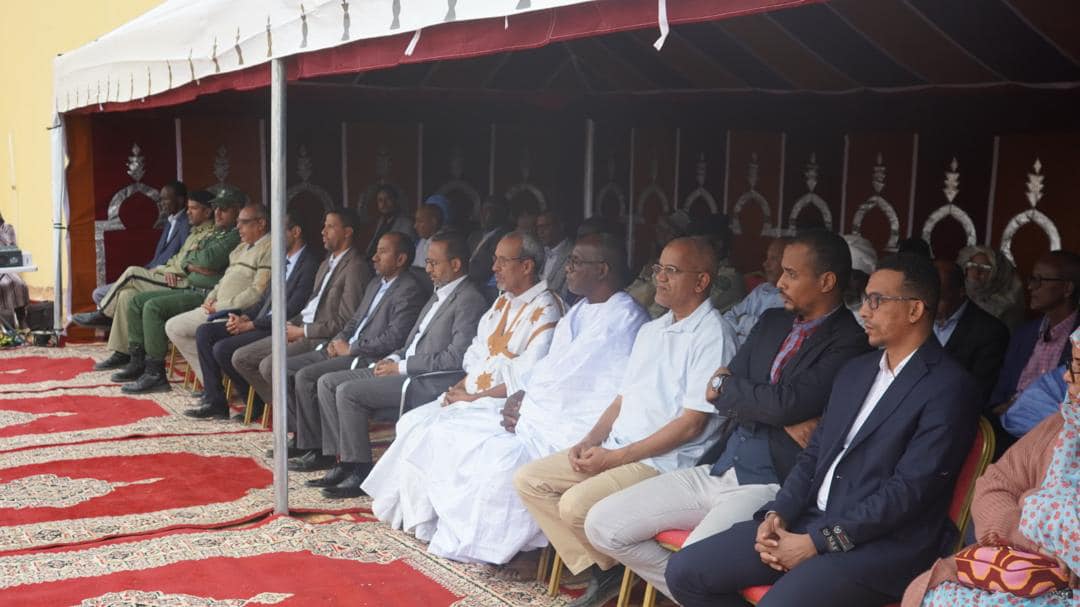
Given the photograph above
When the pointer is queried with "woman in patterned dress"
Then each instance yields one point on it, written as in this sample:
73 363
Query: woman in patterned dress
13 292
1029 500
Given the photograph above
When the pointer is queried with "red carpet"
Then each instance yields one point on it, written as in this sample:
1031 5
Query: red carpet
70 494
32 369
87 414
281 561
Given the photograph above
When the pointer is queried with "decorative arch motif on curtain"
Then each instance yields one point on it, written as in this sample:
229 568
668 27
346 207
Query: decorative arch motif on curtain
459 185
951 189
876 200
525 186
752 196
810 198
700 192
304 170
612 190
1031 215
650 191
136 169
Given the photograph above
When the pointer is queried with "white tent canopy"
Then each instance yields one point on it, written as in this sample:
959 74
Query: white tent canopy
182 41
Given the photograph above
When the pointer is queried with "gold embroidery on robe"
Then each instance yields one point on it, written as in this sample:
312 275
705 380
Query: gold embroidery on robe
499 340
483 382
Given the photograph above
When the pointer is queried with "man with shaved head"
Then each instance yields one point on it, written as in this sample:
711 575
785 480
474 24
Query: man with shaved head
658 421
470 511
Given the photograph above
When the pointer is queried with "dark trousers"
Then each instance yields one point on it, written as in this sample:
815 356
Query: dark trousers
216 347
711 572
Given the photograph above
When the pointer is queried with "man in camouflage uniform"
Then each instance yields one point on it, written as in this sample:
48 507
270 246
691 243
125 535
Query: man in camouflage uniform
206 249
149 312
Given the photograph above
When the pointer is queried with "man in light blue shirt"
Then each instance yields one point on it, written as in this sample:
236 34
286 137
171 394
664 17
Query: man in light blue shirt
745 314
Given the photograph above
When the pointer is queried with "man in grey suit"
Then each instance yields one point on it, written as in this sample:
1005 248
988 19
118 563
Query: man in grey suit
438 342
391 303
557 247
339 285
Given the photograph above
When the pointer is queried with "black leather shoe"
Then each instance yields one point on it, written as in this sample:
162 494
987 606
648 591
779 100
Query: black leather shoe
92 319
311 461
290 444
114 361
603 586
350 485
135 367
336 474
208 412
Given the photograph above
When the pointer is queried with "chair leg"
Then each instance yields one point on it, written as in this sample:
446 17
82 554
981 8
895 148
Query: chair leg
626 588
249 406
189 376
171 362
544 564
649 600
266 415
196 385
556 575
227 384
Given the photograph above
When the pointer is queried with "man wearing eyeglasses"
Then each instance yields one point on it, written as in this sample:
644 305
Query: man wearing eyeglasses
865 508
1038 346
660 420
771 395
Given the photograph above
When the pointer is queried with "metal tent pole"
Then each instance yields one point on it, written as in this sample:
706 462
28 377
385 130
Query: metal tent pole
59 191
277 281
590 142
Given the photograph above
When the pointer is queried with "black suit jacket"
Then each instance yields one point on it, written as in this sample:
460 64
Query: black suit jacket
891 491
297 290
978 343
750 397
483 257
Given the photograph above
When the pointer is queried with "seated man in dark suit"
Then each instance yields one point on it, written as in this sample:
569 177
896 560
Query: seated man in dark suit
772 394
390 305
437 342
971 335
227 331
494 224
1040 345
865 509
174 230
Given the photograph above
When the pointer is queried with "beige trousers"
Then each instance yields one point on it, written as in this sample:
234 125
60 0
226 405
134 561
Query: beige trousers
181 331
559 498
133 281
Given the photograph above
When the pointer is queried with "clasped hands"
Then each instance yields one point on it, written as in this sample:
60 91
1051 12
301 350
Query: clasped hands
779 548
236 324
589 457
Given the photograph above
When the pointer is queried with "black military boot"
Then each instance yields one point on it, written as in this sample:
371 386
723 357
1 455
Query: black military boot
153 379
135 366
115 361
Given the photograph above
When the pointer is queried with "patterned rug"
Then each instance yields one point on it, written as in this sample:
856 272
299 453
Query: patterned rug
280 561
70 494
90 414
32 369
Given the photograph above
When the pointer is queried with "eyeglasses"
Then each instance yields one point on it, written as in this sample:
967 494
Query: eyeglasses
873 300
431 263
502 261
1036 281
244 222
573 263
974 265
669 271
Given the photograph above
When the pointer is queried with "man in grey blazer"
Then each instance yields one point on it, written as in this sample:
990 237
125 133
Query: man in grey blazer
391 303
437 342
339 285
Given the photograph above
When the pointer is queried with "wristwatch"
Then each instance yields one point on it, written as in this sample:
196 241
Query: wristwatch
717 383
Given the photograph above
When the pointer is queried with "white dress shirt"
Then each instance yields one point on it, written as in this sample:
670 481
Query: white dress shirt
383 288
420 260
172 219
553 258
669 369
307 315
884 379
944 328
440 296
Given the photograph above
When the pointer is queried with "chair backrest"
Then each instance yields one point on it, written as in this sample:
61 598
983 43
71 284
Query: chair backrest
982 449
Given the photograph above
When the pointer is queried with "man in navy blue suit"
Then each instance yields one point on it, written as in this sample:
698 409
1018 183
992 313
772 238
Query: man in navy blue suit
865 509
216 341
174 232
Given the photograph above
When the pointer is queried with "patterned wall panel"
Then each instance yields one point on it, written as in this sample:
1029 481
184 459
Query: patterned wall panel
217 148
879 187
753 193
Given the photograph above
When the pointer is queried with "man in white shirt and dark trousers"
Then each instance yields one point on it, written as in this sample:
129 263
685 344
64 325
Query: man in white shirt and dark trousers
437 342
865 509
380 324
